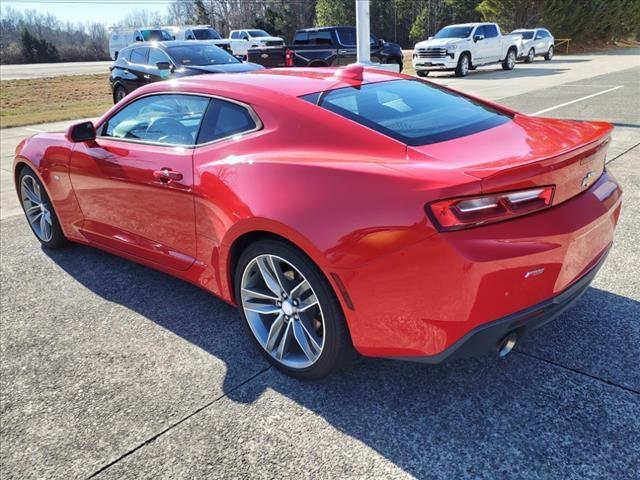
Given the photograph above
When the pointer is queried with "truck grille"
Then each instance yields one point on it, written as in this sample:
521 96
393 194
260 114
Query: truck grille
274 43
431 52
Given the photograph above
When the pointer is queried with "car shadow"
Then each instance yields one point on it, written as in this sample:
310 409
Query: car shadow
517 416
487 73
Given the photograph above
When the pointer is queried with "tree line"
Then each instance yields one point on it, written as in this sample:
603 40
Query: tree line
31 36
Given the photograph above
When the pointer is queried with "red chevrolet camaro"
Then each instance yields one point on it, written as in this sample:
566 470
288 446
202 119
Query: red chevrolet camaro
338 209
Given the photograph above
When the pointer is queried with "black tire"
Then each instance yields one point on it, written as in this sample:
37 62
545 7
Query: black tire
531 55
119 93
337 349
399 63
57 239
510 60
464 64
549 55
422 73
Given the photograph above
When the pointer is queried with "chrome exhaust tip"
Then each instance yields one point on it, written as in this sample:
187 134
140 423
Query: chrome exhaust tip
506 344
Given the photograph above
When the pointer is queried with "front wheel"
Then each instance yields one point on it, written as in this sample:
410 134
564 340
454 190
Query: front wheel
530 56
119 93
549 55
39 211
291 310
510 60
463 65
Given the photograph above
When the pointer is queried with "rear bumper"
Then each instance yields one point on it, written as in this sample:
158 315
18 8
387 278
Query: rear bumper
485 338
427 299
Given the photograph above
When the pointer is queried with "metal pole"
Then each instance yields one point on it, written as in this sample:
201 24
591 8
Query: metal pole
362 28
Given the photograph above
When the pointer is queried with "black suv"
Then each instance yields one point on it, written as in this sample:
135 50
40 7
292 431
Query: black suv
144 63
324 46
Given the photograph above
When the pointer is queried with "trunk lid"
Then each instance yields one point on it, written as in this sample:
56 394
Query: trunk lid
526 152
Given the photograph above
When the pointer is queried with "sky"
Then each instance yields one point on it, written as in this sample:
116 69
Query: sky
105 11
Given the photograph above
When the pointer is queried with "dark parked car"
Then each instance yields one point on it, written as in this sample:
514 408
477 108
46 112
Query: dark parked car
145 63
324 46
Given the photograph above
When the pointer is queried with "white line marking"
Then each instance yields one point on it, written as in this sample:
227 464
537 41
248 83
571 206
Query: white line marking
576 100
34 130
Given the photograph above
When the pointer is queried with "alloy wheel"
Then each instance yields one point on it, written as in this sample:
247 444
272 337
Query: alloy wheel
465 65
283 311
36 208
511 59
531 55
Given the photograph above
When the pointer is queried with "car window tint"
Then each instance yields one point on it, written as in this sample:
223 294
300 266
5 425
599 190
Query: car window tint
322 37
301 38
411 111
139 55
346 36
225 119
125 54
491 31
165 119
156 56
235 35
480 31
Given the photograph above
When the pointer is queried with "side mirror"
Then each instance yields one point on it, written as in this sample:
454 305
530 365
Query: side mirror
477 38
81 132
138 39
240 57
163 66
381 42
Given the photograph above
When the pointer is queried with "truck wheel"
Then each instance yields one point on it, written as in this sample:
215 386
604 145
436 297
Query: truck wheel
510 60
463 65
119 93
549 54
530 56
422 73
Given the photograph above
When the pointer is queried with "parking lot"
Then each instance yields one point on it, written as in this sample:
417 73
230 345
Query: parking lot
112 370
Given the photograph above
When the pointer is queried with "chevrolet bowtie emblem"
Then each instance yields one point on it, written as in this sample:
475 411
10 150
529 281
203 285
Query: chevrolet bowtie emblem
587 179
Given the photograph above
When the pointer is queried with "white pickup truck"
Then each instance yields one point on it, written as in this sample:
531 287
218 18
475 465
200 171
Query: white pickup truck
465 47
243 40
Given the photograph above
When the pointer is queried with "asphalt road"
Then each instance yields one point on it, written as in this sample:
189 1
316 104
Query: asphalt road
112 370
43 70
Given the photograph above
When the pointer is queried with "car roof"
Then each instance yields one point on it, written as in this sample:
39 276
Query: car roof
173 43
293 82
318 29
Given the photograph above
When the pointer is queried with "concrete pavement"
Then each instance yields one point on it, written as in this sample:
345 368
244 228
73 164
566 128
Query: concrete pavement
112 370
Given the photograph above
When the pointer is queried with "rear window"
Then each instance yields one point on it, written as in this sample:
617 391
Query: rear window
411 111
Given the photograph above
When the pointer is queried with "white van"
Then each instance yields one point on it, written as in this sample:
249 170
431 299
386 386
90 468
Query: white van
122 38
198 32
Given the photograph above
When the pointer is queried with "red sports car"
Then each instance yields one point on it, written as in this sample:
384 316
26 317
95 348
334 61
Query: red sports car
338 209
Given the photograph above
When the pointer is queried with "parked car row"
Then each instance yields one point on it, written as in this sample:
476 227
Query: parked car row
464 47
238 43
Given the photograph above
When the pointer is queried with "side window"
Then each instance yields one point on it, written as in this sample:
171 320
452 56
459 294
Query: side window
480 31
346 36
156 56
125 54
139 55
165 119
322 37
491 31
224 119
244 35
301 38
234 35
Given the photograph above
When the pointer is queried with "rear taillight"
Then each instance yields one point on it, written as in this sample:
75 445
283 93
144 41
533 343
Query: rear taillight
466 212
288 57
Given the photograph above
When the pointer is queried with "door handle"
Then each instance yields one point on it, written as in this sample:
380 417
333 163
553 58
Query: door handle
147 76
167 175
344 52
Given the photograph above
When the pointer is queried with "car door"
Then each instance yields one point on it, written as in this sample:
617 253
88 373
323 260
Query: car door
137 69
541 42
493 44
479 52
134 184
346 45
156 74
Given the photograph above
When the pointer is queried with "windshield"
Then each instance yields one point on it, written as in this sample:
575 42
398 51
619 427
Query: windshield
454 32
525 35
201 55
156 35
206 34
258 33
411 111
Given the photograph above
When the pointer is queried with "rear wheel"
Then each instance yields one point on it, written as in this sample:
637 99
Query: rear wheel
510 60
39 211
422 73
549 55
291 310
464 63
530 56
119 93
